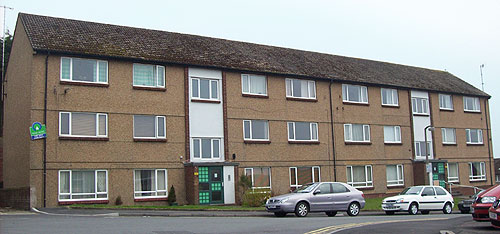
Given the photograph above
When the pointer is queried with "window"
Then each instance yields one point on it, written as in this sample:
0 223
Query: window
149 127
474 136
420 106
395 175
477 171
445 102
205 89
256 130
389 97
428 191
440 191
83 185
76 124
453 172
149 75
150 183
354 93
356 133
325 188
420 148
300 88
471 104
260 176
360 176
207 148
302 131
497 178
392 134
84 70
303 175
339 188
254 84
449 136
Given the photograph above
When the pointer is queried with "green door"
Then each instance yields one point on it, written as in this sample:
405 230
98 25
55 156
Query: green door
211 189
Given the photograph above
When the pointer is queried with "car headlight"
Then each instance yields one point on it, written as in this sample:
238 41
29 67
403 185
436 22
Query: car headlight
488 199
284 200
400 200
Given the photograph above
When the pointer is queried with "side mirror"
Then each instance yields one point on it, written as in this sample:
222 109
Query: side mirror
423 194
317 191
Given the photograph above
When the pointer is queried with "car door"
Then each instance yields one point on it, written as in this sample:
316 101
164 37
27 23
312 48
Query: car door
321 198
428 199
441 197
341 196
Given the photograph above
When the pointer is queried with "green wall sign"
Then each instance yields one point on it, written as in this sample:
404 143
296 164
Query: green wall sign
37 131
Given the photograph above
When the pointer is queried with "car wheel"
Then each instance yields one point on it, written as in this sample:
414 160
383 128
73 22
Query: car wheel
447 208
424 212
413 209
353 209
331 213
302 209
279 214
389 212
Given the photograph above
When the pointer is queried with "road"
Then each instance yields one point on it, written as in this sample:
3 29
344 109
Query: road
314 224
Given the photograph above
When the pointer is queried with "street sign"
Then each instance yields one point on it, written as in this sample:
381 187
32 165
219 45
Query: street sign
37 131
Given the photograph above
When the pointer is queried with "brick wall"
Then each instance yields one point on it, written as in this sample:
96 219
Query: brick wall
18 198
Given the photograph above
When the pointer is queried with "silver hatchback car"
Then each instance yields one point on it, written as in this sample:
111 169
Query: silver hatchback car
328 197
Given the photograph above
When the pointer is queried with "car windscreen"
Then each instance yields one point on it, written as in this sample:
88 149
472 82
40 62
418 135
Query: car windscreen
411 191
306 188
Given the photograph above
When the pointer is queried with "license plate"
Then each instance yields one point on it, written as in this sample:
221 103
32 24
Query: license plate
493 215
271 207
389 207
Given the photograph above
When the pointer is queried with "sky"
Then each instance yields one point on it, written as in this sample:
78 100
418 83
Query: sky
453 35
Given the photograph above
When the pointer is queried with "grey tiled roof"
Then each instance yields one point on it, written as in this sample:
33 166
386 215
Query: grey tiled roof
88 38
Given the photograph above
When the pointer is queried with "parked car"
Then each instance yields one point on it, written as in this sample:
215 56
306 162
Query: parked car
483 203
328 197
423 198
494 214
464 205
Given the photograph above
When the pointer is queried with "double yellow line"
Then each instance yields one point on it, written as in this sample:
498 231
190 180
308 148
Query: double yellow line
355 225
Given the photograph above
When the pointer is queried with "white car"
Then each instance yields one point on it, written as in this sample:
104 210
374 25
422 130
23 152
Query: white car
423 198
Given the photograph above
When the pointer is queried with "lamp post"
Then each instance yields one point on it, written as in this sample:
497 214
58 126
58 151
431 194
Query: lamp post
481 69
430 128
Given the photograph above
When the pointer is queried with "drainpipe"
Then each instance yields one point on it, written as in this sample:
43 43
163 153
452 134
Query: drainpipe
45 139
333 135
489 137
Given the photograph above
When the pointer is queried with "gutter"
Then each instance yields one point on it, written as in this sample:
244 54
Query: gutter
486 114
45 139
333 135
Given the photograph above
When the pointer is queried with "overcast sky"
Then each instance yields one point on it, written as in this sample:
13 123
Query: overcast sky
453 35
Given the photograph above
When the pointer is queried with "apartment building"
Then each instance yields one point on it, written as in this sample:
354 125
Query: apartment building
131 112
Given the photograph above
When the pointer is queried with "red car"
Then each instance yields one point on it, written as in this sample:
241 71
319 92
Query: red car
483 203
495 214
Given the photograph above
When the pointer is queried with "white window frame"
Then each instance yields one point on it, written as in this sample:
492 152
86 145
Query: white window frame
296 185
445 136
157 119
289 87
394 93
453 178
198 79
363 93
476 107
367 183
399 171
482 171
311 125
348 134
441 97
156 185
249 77
429 148
156 72
251 133
78 81
425 105
70 194
212 139
70 126
479 134
396 131
253 179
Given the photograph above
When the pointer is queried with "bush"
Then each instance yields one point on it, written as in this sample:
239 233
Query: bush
118 201
255 198
171 196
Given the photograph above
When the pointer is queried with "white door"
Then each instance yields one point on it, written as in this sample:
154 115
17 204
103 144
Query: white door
229 196
429 199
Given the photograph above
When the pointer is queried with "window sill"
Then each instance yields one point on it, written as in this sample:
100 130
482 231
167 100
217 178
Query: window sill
393 143
364 188
390 106
357 143
256 142
304 142
448 110
83 83
150 140
83 138
150 199
395 186
481 180
472 112
205 101
356 103
254 95
420 114
449 144
475 144
149 88
83 202
301 99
